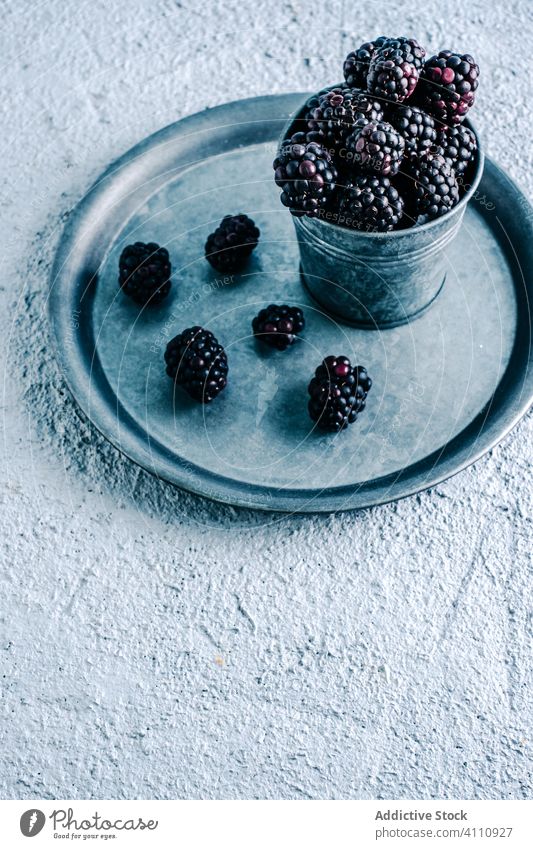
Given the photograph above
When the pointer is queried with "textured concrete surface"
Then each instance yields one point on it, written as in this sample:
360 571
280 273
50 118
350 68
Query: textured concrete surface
156 645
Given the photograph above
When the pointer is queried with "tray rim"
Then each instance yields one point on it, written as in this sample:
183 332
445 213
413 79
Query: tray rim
490 426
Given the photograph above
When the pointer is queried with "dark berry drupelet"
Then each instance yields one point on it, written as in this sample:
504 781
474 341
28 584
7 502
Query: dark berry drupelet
434 187
447 85
337 393
279 325
306 175
228 248
144 272
334 113
357 62
459 145
417 128
370 202
394 69
196 361
376 147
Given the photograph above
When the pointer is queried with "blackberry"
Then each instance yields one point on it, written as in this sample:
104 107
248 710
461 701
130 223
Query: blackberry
306 175
394 69
196 361
334 113
337 393
377 147
435 188
371 203
228 248
447 85
278 326
416 127
409 48
144 272
356 63
459 145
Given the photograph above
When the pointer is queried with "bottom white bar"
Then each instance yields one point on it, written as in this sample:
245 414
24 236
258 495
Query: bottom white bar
268 824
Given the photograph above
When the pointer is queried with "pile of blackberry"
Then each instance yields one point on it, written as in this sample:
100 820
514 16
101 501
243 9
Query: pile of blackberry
385 150
197 362
397 117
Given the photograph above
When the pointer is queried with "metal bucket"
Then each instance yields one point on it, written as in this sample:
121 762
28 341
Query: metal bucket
378 280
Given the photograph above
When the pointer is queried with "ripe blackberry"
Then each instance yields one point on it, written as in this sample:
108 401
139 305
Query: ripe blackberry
409 48
306 175
356 63
394 69
334 113
338 393
447 85
434 187
416 127
278 325
196 361
144 272
459 145
228 248
377 147
370 203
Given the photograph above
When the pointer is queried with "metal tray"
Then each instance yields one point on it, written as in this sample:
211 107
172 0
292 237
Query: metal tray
447 387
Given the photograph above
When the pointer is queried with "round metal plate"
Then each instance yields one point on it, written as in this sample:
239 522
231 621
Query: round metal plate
447 387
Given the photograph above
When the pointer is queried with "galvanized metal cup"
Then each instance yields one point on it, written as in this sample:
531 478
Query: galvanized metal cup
377 280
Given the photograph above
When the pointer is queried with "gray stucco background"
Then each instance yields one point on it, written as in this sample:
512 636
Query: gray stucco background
157 645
